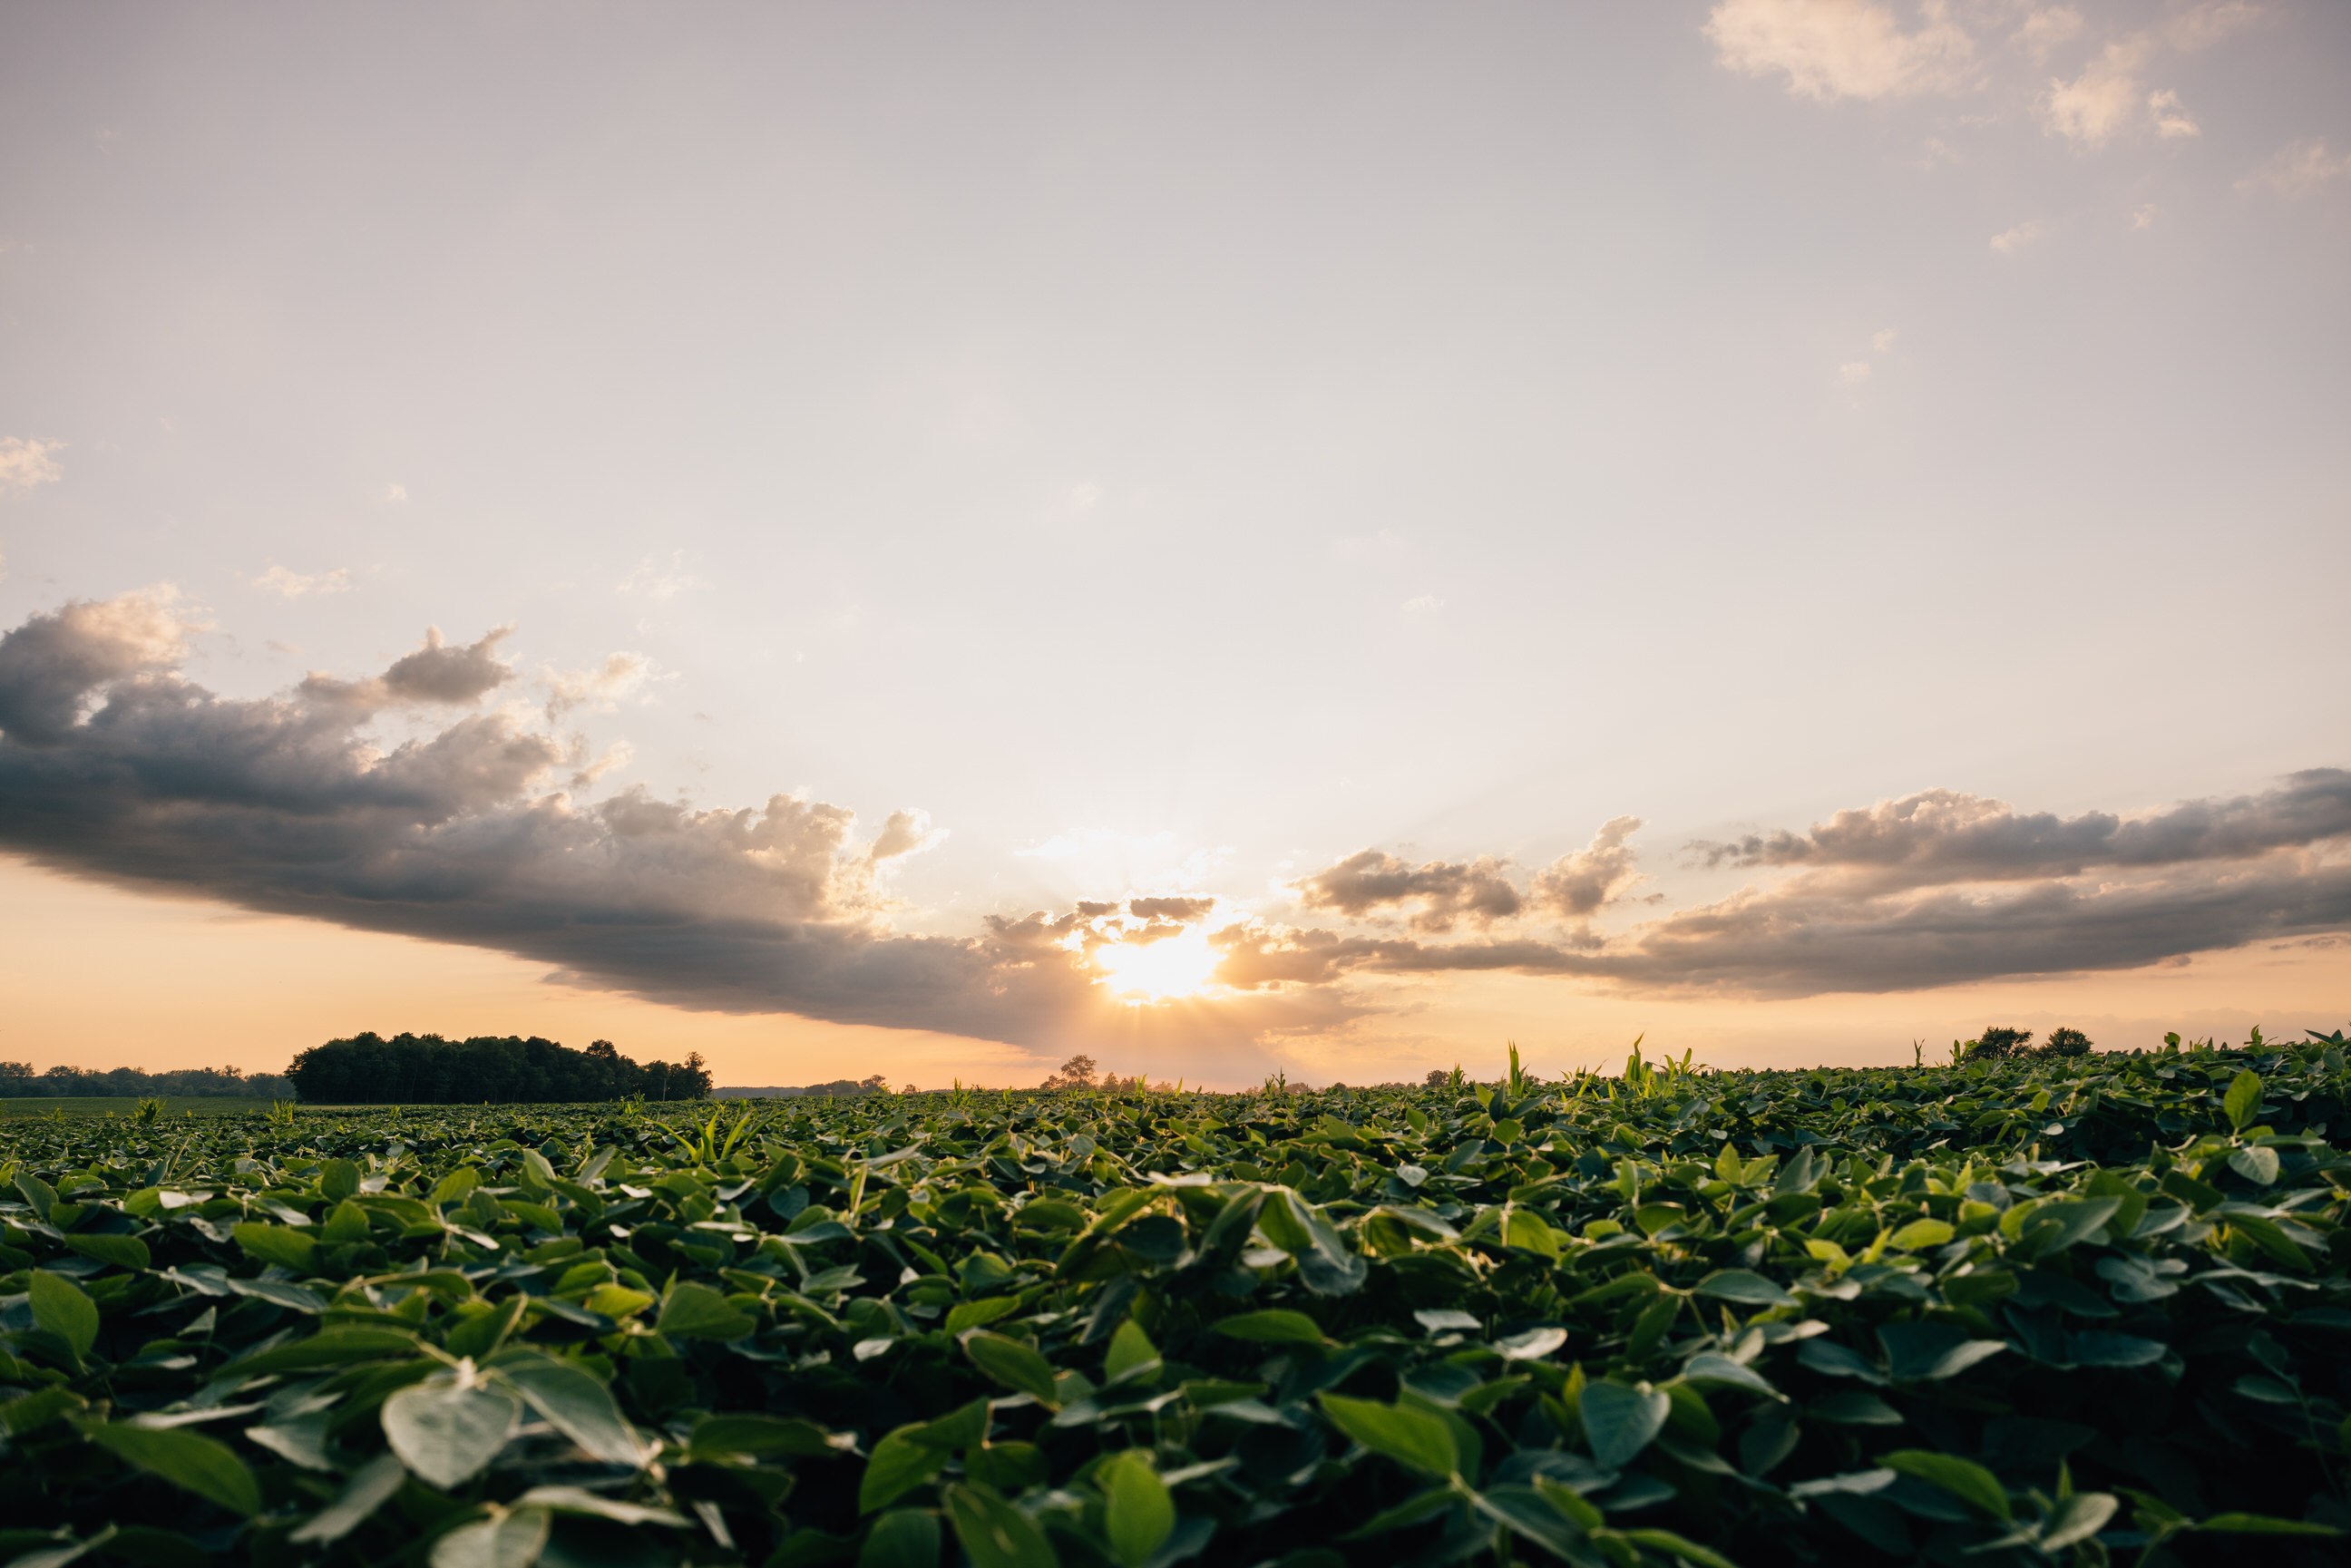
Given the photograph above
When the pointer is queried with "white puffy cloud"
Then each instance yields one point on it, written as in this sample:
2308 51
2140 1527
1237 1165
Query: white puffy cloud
2016 239
1842 48
2298 170
297 585
27 461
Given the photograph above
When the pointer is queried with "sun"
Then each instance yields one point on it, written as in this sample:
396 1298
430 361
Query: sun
1154 971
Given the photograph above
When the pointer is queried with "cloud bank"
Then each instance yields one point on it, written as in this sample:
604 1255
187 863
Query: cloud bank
115 766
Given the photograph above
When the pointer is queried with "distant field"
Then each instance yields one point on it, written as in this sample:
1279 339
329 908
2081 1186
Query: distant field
125 1106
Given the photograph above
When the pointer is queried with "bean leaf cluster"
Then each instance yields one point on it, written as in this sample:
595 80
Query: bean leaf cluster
2088 1311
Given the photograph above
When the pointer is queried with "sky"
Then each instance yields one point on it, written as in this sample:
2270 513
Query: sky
1292 538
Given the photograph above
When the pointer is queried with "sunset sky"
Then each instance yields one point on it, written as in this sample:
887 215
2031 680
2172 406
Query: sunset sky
1289 537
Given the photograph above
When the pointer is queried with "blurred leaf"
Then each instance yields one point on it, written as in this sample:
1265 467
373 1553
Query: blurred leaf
690 1310
1411 1437
365 1491
903 1538
1139 1515
1963 1478
202 1464
447 1433
2243 1099
1271 1327
994 1533
1012 1364
62 1307
1619 1422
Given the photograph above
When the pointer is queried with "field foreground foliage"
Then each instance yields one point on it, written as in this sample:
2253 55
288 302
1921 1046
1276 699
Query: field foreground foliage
2083 1312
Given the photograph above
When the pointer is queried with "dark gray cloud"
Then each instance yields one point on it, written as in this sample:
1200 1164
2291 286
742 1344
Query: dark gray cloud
114 766
1437 892
1916 893
435 673
1940 836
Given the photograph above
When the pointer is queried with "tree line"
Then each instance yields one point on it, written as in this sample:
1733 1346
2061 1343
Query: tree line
427 1070
19 1082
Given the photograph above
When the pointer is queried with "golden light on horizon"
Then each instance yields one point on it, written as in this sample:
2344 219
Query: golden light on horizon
1141 972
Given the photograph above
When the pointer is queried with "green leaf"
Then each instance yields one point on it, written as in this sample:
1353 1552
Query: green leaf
2053 1226
690 1310
130 1252
348 1222
903 1538
278 1244
446 1432
1744 1286
900 1461
367 1490
327 1347
1963 1478
2262 1524
60 1307
2243 1099
973 1314
1272 1327
1130 1349
964 1427
761 1436
2077 1519
1710 1367
31 1412
505 1539
338 1179
994 1533
1673 1545
587 1504
573 1403
1138 1514
1414 1439
1619 1422
191 1461
480 1333
38 1193
2257 1163
1920 1234
1012 1364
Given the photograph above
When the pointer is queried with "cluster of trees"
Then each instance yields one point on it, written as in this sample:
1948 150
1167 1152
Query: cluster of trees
426 1070
19 1082
2002 1043
1081 1072
840 1088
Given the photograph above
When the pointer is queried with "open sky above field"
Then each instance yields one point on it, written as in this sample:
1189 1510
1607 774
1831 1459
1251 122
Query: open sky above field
1314 538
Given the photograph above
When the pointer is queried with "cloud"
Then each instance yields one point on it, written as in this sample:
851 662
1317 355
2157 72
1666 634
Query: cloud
1423 607
1842 48
2298 170
1581 883
114 767
2144 217
660 582
434 674
395 493
1941 836
1854 373
1938 888
295 584
600 688
1883 343
26 461
2016 239
1438 894
2047 27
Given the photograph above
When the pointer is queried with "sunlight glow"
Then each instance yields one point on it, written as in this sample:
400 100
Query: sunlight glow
1153 971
